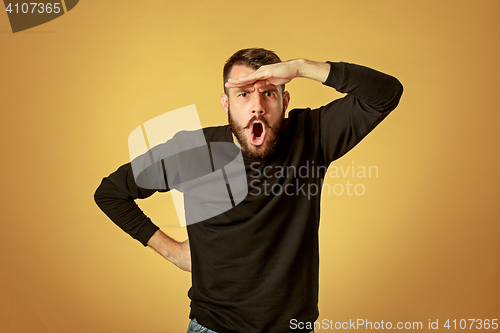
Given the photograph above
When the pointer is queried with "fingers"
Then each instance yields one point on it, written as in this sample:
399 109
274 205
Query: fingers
258 75
276 74
256 84
244 81
233 83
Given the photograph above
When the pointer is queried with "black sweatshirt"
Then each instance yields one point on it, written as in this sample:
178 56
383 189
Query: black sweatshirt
255 266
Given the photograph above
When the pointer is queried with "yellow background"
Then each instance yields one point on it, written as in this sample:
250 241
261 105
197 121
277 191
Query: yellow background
422 242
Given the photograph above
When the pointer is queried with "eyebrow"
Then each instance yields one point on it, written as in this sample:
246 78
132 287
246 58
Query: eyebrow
271 90
247 90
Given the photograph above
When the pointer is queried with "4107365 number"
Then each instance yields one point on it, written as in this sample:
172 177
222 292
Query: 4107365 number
33 8
479 324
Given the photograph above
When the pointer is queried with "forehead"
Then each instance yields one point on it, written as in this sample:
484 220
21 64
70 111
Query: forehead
238 71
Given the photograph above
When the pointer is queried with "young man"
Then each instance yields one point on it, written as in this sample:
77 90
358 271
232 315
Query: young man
255 266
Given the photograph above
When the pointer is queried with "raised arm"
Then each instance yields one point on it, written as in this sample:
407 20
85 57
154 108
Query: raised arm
284 72
377 89
371 96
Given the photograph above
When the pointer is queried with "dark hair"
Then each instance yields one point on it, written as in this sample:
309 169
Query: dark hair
254 57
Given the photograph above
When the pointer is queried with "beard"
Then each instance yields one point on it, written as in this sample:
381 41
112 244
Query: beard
267 148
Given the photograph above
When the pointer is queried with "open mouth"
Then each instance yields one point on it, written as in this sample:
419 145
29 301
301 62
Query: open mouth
257 133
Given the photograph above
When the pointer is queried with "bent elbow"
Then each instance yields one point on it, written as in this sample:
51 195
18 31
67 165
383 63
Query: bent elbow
395 97
101 194
399 90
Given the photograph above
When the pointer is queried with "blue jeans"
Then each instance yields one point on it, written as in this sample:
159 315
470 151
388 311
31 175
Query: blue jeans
194 327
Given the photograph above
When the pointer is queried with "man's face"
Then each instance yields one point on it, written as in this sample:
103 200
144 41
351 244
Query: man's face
256 112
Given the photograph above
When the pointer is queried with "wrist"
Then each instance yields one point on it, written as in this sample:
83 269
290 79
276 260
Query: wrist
313 70
302 67
164 245
170 250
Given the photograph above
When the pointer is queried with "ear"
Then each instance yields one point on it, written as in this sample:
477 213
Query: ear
225 102
286 100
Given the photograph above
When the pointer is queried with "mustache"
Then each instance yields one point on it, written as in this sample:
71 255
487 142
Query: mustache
260 118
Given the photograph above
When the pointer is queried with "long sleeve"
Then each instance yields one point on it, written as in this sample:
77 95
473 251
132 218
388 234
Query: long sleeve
184 157
371 96
116 198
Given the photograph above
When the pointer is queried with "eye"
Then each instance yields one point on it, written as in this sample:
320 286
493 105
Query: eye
243 94
269 94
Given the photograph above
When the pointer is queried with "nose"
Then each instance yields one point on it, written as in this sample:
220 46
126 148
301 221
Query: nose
257 107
